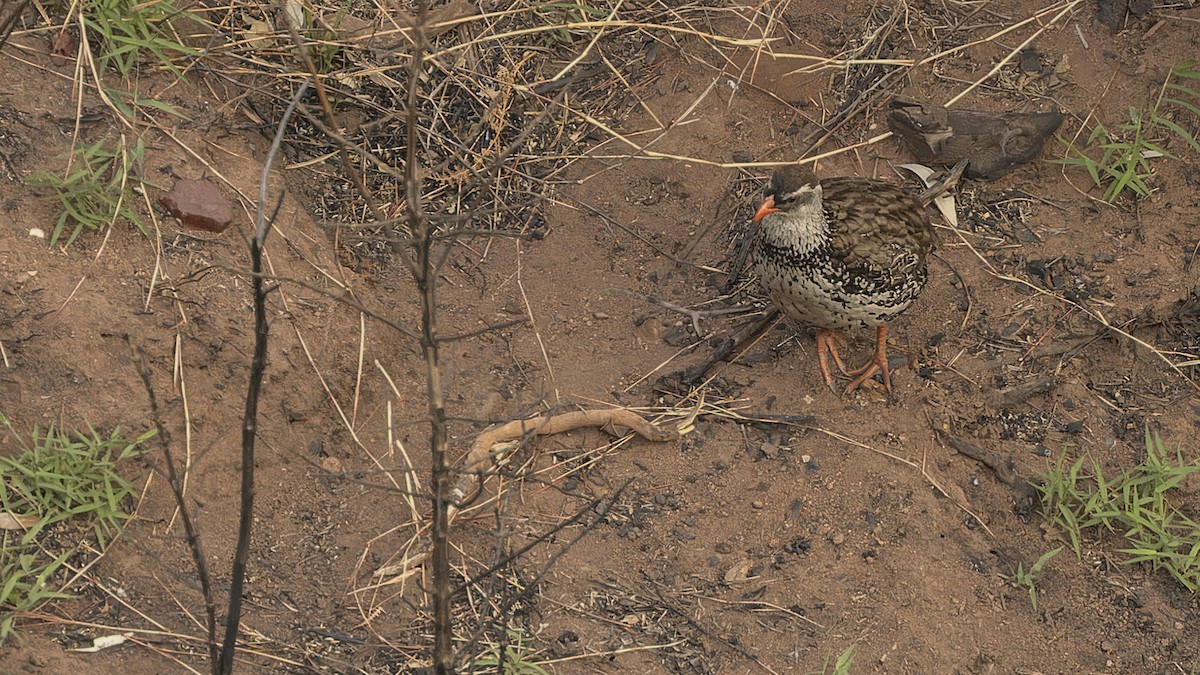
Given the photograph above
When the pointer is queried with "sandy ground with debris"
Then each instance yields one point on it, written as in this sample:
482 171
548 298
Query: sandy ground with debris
789 525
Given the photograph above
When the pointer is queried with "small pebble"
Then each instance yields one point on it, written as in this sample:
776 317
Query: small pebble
739 571
838 539
198 204
756 504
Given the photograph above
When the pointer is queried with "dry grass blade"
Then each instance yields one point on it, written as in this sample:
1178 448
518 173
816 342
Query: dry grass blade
1060 13
1094 314
957 498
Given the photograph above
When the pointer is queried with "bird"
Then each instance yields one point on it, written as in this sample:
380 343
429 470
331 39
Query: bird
842 253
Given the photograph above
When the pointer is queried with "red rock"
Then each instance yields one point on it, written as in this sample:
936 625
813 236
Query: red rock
198 204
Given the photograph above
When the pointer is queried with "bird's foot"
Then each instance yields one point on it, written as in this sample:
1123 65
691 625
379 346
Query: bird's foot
878 363
828 343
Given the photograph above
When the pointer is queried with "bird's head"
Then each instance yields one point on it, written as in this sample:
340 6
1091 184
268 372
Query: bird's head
791 188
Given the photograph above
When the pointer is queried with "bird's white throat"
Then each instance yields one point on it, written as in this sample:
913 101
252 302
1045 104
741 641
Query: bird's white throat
799 225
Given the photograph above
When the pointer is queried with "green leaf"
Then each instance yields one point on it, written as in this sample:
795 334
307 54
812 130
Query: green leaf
1185 70
1181 132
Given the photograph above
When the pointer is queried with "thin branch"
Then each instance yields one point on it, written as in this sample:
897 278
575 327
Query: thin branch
258 366
10 22
424 273
142 363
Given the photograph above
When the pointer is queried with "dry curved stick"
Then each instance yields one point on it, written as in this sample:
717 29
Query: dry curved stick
494 445
484 450
546 425
1002 466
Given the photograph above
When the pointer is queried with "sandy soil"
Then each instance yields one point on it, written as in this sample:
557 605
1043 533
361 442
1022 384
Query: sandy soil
746 546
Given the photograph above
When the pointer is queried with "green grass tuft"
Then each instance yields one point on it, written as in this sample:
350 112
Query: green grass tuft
58 476
514 658
559 15
96 191
1136 505
121 33
1123 163
845 661
1028 579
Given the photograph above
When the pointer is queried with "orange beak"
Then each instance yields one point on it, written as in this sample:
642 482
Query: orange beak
767 208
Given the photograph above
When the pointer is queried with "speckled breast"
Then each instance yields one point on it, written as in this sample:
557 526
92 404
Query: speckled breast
816 288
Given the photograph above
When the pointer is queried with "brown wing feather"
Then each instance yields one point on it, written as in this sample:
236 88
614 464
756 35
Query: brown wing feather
878 231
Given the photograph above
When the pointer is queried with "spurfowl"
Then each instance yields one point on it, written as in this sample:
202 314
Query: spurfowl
842 253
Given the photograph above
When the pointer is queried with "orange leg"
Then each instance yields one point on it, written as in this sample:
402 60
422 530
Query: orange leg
828 342
875 365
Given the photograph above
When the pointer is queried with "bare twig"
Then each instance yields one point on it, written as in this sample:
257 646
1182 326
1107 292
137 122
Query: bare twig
185 514
258 366
10 22
694 314
424 271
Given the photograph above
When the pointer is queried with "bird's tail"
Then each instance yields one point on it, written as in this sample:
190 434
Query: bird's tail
943 184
